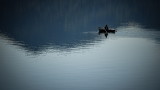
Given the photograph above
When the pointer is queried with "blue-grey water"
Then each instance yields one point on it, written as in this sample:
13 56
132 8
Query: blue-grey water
54 45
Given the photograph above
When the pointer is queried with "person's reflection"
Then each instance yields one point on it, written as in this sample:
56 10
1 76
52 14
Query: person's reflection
106 34
103 31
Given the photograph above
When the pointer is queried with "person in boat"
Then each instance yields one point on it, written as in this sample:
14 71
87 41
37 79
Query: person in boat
106 28
109 30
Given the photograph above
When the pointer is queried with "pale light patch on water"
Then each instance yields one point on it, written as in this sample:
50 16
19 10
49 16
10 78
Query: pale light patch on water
116 62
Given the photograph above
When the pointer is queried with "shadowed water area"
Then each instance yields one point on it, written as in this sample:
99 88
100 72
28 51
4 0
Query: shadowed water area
55 45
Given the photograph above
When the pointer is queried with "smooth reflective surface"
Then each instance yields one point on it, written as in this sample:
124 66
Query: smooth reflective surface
45 46
126 60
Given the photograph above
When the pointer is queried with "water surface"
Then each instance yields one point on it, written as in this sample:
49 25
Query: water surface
126 60
54 45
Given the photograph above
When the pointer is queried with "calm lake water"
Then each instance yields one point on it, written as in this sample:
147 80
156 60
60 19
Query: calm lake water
127 60
54 45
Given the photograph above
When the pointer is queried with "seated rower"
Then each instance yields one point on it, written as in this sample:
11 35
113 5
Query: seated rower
109 30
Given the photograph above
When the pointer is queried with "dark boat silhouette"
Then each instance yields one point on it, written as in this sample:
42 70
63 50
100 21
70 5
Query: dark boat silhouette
102 30
111 31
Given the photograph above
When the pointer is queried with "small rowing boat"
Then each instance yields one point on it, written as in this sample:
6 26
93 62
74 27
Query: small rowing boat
102 30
